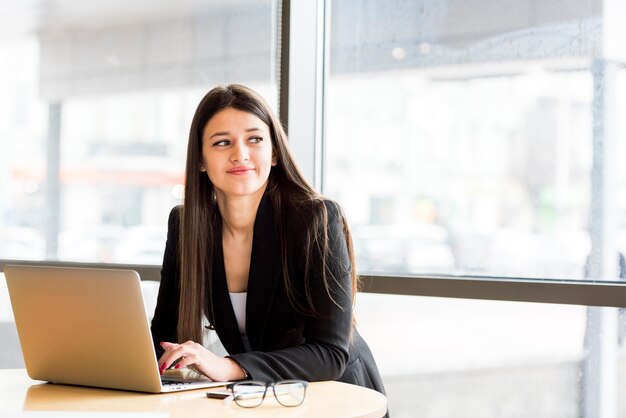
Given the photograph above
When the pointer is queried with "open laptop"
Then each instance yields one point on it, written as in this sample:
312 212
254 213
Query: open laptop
88 327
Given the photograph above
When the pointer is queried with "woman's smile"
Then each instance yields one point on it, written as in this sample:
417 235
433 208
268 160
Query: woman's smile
240 171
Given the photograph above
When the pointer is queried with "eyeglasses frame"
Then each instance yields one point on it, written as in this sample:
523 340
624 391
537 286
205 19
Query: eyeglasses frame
267 385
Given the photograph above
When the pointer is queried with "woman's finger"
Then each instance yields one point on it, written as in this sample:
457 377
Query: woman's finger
174 354
170 355
167 345
188 354
184 361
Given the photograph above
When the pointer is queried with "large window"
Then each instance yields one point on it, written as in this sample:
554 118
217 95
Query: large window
97 102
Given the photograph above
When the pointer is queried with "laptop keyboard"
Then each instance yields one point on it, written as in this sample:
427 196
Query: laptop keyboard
183 381
165 382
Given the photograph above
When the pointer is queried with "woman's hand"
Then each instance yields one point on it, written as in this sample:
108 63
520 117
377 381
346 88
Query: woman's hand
202 360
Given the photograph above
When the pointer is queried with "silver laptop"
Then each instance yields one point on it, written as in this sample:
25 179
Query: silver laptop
87 327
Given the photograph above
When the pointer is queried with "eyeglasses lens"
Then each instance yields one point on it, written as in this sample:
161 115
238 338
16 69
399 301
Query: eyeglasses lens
248 395
290 393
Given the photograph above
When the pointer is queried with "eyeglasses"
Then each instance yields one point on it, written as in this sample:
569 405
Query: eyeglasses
251 394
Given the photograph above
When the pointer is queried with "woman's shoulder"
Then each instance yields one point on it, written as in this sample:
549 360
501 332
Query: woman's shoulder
176 211
175 214
325 207
319 211
333 209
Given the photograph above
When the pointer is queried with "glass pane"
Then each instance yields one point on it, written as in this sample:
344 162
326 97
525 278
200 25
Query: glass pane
472 358
97 103
460 137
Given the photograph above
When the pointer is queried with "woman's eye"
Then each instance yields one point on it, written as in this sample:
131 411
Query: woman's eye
221 143
255 139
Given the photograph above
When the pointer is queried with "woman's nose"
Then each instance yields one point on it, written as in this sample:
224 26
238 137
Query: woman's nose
240 152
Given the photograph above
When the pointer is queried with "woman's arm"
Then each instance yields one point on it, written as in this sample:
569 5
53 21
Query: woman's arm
165 321
165 318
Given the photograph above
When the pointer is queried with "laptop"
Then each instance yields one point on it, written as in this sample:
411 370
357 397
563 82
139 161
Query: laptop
88 327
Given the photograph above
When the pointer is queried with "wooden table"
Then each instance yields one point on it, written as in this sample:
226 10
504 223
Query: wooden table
323 399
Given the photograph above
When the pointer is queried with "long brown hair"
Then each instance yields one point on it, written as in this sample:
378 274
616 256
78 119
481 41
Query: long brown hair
288 190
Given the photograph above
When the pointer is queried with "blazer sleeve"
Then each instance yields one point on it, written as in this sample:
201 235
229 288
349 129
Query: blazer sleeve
165 318
325 351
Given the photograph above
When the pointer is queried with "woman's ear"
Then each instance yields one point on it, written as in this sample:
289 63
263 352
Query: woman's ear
202 167
274 159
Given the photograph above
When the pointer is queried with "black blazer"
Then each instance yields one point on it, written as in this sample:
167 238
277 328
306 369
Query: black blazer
285 343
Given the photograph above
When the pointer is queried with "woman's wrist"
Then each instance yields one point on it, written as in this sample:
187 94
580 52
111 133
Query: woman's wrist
238 372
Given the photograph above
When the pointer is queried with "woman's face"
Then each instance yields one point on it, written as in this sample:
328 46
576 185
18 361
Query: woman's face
237 152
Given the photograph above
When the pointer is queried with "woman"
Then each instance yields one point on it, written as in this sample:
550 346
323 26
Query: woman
260 255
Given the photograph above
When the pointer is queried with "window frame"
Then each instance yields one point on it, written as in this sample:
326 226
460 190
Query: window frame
564 292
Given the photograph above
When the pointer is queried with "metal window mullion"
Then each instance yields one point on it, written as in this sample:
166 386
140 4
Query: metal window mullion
565 292
282 55
306 68
53 181
599 386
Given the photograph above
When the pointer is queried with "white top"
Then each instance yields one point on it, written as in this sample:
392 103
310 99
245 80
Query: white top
238 300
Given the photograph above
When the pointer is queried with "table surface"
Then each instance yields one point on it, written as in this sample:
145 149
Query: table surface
323 399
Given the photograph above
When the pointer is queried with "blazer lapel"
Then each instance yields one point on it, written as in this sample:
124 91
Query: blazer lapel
264 276
224 320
